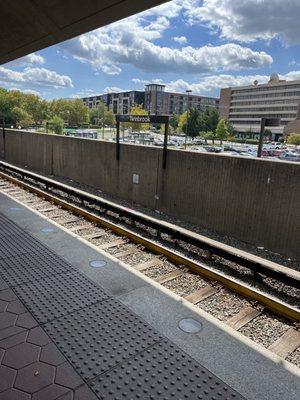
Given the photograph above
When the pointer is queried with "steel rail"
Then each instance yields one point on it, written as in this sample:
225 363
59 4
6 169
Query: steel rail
269 301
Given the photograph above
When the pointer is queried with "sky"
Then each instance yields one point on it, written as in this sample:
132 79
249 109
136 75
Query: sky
202 45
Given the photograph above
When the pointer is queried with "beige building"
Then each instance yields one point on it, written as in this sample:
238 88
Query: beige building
244 106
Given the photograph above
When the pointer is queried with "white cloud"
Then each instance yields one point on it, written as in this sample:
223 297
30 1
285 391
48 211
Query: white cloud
109 50
132 42
113 89
248 20
84 93
180 39
169 10
211 84
29 60
34 76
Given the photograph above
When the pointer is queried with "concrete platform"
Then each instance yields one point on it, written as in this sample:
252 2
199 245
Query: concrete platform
111 333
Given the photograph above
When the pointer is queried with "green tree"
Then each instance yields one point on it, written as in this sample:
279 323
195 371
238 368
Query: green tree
209 135
194 122
174 121
268 133
182 123
72 111
190 122
56 125
109 118
230 128
97 114
294 138
212 119
221 131
21 117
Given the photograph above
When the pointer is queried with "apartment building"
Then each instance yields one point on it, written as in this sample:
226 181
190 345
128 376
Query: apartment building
119 103
154 99
160 102
244 106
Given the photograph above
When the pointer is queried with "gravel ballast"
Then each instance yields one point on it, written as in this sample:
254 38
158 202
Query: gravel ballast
223 304
186 284
265 329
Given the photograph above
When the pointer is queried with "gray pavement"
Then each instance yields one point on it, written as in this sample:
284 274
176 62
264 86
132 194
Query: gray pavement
249 369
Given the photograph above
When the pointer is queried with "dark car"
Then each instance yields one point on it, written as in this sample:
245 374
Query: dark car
289 156
213 149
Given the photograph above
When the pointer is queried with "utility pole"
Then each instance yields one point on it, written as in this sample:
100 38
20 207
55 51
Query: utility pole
187 116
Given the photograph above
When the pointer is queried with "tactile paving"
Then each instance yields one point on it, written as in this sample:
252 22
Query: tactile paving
99 337
163 372
32 267
11 246
9 228
59 295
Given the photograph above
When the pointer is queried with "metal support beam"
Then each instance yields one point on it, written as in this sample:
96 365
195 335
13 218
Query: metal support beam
261 136
265 122
165 149
118 141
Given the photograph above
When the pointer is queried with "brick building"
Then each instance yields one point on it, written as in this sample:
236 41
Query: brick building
154 99
244 106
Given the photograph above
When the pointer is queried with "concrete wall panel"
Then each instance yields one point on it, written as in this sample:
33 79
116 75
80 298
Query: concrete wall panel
253 200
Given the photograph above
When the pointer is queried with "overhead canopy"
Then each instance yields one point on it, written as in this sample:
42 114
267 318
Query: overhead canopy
30 25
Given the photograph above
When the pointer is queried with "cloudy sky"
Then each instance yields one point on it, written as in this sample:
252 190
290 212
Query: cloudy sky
201 45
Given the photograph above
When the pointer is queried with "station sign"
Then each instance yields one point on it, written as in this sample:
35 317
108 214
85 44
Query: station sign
143 119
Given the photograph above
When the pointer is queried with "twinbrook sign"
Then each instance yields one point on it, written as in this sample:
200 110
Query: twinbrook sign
143 119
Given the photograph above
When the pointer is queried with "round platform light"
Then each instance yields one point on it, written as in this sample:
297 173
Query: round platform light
15 208
190 325
48 229
98 263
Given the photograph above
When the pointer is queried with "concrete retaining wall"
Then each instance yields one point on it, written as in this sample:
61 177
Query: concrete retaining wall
256 201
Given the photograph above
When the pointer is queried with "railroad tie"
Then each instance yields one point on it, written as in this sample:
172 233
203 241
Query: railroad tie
286 344
62 221
169 277
79 228
201 294
242 318
148 264
94 235
107 246
126 253
49 209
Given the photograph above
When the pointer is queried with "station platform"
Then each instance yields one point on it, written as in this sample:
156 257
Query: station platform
78 324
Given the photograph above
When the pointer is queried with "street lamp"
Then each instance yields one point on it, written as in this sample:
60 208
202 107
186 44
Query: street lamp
187 116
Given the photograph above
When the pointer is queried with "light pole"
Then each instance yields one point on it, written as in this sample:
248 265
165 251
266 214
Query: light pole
187 116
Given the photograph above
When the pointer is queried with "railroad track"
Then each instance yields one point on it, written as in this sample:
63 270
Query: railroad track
237 287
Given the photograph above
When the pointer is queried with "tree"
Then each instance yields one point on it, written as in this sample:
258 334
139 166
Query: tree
268 133
209 135
109 118
294 138
221 131
97 114
56 125
190 122
174 121
72 111
182 123
212 119
230 128
21 117
194 122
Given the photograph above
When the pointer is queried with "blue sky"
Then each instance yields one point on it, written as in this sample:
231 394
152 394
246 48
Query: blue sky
201 45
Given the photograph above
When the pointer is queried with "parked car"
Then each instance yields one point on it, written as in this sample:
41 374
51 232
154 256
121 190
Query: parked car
213 149
290 156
